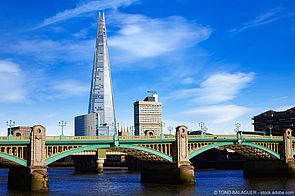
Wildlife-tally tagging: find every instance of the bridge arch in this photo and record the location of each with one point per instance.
(220, 144)
(13, 159)
(97, 146)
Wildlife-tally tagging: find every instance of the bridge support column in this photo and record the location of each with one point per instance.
(34, 177)
(38, 169)
(178, 172)
(101, 156)
(288, 153)
(186, 170)
(284, 167)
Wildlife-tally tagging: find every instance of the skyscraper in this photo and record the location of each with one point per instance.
(101, 94)
(101, 101)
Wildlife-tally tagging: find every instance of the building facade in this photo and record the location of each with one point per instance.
(101, 102)
(87, 125)
(275, 122)
(20, 131)
(101, 94)
(148, 116)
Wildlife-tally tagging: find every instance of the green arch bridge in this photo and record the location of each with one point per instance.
(38, 151)
(15, 150)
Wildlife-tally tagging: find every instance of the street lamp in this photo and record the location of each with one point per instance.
(62, 124)
(238, 125)
(162, 125)
(202, 126)
(239, 134)
(10, 124)
(170, 128)
(205, 130)
(270, 127)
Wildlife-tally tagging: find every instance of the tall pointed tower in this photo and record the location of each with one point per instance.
(101, 99)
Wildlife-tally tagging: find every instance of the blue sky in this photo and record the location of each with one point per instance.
(219, 62)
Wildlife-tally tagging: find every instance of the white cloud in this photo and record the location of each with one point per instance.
(50, 50)
(215, 92)
(219, 119)
(70, 88)
(218, 113)
(217, 88)
(12, 82)
(263, 19)
(188, 80)
(138, 37)
(92, 6)
(142, 37)
(81, 34)
(283, 108)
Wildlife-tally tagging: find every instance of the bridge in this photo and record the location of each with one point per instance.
(33, 154)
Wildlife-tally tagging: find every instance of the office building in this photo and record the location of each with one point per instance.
(275, 122)
(148, 116)
(87, 125)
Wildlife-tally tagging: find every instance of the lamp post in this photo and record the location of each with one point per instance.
(202, 126)
(238, 125)
(270, 127)
(162, 125)
(170, 128)
(62, 124)
(237, 129)
(10, 124)
(205, 130)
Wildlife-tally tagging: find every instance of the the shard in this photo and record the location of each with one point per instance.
(101, 99)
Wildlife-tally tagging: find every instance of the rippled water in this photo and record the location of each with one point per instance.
(123, 182)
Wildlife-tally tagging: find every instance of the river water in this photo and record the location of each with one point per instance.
(122, 182)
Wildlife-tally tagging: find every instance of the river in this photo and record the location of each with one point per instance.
(64, 181)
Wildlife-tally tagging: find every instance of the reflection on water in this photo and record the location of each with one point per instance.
(122, 182)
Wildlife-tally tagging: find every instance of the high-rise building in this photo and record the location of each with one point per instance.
(101, 101)
(101, 94)
(148, 116)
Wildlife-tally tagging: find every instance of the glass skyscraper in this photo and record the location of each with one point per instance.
(100, 119)
(101, 99)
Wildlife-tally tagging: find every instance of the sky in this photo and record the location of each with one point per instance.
(214, 61)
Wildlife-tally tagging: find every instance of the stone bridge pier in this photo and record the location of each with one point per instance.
(287, 153)
(273, 168)
(35, 176)
(180, 171)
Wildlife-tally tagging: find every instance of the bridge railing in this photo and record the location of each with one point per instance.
(3, 138)
(79, 137)
(234, 136)
(106, 137)
(7, 138)
(137, 137)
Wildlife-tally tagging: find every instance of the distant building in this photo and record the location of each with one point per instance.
(20, 131)
(148, 116)
(198, 132)
(87, 125)
(277, 122)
